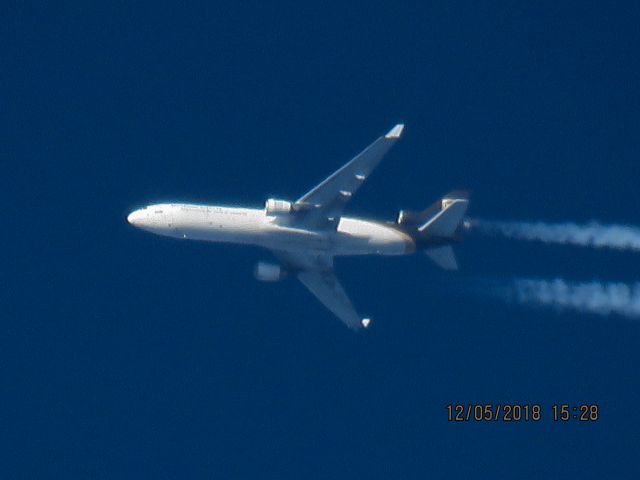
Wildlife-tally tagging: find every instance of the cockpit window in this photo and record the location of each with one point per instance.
(158, 211)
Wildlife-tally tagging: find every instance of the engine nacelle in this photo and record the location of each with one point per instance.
(268, 272)
(277, 207)
(409, 217)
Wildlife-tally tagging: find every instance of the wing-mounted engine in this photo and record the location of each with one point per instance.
(277, 207)
(269, 272)
(283, 207)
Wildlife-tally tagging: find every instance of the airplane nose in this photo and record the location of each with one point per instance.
(134, 217)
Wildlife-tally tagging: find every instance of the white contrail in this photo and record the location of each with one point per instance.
(601, 298)
(621, 237)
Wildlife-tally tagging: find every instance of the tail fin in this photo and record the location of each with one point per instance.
(435, 227)
(445, 223)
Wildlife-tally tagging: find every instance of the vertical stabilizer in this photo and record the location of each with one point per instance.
(436, 227)
(445, 223)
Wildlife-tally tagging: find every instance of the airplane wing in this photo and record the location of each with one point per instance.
(328, 199)
(316, 273)
(326, 287)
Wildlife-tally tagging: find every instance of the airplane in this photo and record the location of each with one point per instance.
(306, 235)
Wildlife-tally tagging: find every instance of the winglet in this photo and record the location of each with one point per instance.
(395, 132)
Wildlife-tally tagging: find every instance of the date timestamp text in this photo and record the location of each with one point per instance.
(497, 412)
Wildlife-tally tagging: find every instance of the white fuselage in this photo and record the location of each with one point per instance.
(254, 227)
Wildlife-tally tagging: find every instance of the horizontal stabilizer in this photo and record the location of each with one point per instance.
(443, 257)
(445, 223)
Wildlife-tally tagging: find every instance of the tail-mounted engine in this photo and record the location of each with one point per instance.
(268, 272)
(277, 207)
(409, 217)
(413, 218)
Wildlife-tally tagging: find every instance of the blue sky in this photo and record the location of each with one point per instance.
(125, 354)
